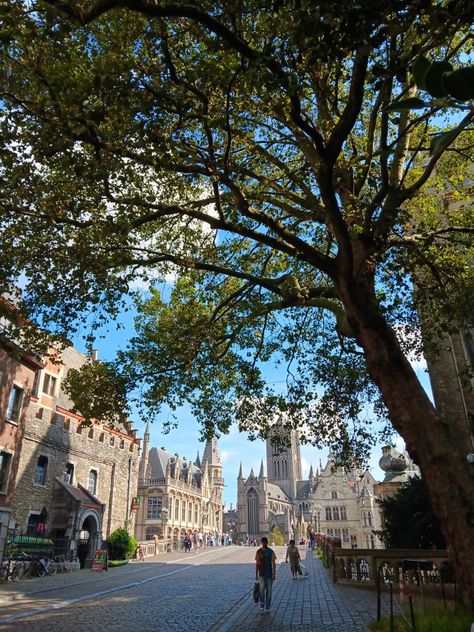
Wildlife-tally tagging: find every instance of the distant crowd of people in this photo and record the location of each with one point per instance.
(195, 540)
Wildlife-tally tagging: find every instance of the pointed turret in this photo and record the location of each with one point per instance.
(211, 453)
(198, 460)
(143, 471)
(311, 473)
(240, 476)
(261, 474)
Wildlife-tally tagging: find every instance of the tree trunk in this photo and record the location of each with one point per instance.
(433, 442)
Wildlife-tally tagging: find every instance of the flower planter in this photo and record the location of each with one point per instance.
(117, 563)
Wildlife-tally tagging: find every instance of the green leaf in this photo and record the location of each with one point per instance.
(440, 141)
(419, 69)
(460, 83)
(434, 78)
(413, 103)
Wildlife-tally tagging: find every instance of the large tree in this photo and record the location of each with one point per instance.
(251, 149)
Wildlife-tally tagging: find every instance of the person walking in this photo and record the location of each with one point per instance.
(265, 572)
(293, 555)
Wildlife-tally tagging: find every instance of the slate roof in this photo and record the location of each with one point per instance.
(158, 459)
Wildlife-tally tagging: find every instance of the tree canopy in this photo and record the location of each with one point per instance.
(249, 151)
(409, 521)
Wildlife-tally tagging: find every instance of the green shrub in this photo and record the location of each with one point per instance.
(436, 620)
(276, 536)
(121, 544)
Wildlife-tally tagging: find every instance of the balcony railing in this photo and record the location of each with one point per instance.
(410, 571)
(151, 482)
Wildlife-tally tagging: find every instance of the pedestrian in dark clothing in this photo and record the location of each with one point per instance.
(265, 571)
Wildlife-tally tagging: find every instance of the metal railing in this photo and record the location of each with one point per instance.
(408, 571)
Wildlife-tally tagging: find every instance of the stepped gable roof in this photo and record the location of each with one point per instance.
(73, 359)
(211, 454)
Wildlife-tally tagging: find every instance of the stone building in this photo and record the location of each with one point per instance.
(83, 477)
(18, 371)
(177, 496)
(333, 500)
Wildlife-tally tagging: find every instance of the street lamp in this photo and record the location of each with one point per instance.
(317, 518)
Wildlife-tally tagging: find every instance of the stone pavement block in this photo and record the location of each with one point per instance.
(308, 604)
(209, 592)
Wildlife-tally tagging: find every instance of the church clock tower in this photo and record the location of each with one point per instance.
(284, 460)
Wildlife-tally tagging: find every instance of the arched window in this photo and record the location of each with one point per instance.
(333, 494)
(369, 518)
(328, 513)
(252, 512)
(335, 513)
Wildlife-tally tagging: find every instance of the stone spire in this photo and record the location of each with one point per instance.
(211, 454)
(240, 476)
(311, 473)
(198, 460)
(261, 474)
(143, 468)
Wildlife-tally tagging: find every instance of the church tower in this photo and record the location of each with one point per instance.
(284, 459)
(211, 461)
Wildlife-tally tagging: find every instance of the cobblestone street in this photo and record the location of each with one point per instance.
(208, 592)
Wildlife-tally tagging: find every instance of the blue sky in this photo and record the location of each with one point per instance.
(184, 440)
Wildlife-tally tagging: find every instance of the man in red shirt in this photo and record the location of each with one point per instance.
(265, 569)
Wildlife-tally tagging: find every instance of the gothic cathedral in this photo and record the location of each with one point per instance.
(332, 500)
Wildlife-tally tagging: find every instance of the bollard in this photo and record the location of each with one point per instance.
(412, 614)
(379, 599)
(391, 607)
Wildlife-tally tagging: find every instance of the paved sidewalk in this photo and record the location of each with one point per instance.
(308, 604)
(178, 592)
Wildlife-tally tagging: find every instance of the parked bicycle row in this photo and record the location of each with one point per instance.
(23, 566)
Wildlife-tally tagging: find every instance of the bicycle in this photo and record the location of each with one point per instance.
(45, 566)
(63, 564)
(10, 570)
(23, 567)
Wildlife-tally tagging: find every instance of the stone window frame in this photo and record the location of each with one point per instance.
(154, 504)
(93, 481)
(69, 472)
(31, 528)
(15, 403)
(49, 384)
(5, 468)
(41, 470)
